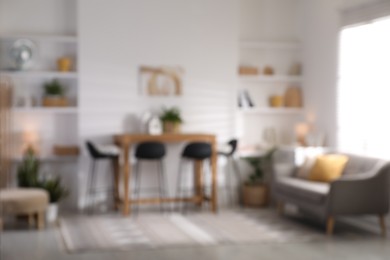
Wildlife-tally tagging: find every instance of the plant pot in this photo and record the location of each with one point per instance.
(172, 127)
(52, 213)
(255, 195)
(55, 101)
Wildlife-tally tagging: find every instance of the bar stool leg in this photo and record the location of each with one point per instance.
(164, 181)
(178, 184)
(137, 186)
(160, 185)
(90, 188)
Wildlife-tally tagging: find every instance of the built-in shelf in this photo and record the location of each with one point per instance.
(41, 37)
(46, 110)
(269, 45)
(270, 78)
(40, 74)
(271, 111)
(51, 158)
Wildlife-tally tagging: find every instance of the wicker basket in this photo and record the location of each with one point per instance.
(66, 150)
(55, 102)
(255, 195)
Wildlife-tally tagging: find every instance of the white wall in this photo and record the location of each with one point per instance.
(116, 37)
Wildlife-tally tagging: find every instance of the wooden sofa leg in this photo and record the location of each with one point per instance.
(40, 220)
(382, 223)
(330, 225)
(280, 208)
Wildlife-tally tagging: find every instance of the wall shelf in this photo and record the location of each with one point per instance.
(270, 79)
(40, 74)
(46, 110)
(271, 111)
(269, 45)
(41, 37)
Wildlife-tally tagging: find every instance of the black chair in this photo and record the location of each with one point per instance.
(196, 152)
(154, 151)
(97, 155)
(230, 159)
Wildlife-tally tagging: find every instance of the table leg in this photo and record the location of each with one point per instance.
(198, 181)
(214, 180)
(127, 175)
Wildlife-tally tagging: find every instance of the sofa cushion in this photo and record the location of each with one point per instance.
(328, 167)
(311, 191)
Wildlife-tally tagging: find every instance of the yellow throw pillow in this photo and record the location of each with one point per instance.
(328, 167)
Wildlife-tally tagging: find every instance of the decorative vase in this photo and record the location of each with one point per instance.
(64, 64)
(172, 127)
(55, 101)
(255, 195)
(276, 101)
(52, 213)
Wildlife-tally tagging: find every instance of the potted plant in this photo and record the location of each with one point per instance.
(27, 173)
(54, 93)
(56, 193)
(255, 191)
(171, 120)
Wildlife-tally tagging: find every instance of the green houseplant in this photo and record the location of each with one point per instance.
(171, 119)
(54, 94)
(28, 177)
(27, 172)
(56, 193)
(255, 191)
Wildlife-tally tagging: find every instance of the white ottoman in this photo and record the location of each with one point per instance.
(32, 202)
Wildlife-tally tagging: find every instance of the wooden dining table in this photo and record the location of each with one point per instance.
(123, 166)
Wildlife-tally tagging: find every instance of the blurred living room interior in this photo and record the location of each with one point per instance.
(171, 129)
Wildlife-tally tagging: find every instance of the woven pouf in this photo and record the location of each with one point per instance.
(25, 201)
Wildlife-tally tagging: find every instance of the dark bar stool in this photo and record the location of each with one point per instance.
(97, 155)
(196, 152)
(154, 151)
(230, 160)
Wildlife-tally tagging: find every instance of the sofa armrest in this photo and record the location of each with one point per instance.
(364, 193)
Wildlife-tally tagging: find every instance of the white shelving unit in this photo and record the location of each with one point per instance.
(40, 74)
(270, 79)
(253, 121)
(53, 125)
(41, 37)
(44, 110)
(271, 111)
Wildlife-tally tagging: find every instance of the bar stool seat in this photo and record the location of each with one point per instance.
(196, 152)
(150, 151)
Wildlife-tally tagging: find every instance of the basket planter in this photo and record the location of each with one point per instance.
(255, 195)
(55, 101)
(172, 127)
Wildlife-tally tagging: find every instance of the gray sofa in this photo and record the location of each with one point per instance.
(362, 189)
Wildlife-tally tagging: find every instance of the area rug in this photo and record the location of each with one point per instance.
(86, 233)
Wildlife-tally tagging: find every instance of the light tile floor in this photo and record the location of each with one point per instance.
(20, 244)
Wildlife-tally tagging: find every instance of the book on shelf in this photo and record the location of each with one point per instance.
(244, 100)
